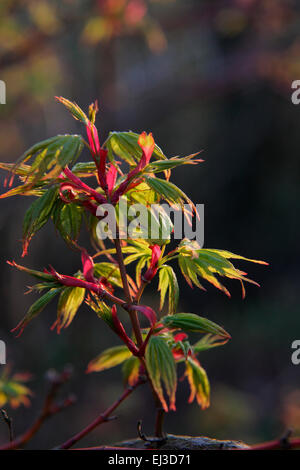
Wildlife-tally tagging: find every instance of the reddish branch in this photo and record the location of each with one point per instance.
(102, 418)
(284, 443)
(49, 409)
(133, 315)
(137, 332)
(107, 448)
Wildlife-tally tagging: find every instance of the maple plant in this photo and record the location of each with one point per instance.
(69, 193)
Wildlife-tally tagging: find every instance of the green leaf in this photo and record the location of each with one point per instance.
(26, 190)
(84, 169)
(208, 342)
(199, 384)
(206, 263)
(170, 163)
(130, 371)
(139, 249)
(188, 271)
(139, 267)
(227, 254)
(142, 194)
(192, 322)
(74, 109)
(109, 358)
(110, 271)
(125, 145)
(67, 219)
(21, 170)
(168, 282)
(155, 226)
(161, 368)
(68, 304)
(37, 215)
(168, 191)
(102, 310)
(37, 274)
(37, 308)
(51, 156)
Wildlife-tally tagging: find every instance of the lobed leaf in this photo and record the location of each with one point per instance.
(168, 283)
(168, 191)
(102, 310)
(125, 146)
(37, 274)
(130, 371)
(84, 169)
(67, 219)
(161, 368)
(74, 109)
(170, 163)
(109, 358)
(206, 263)
(209, 341)
(37, 308)
(69, 302)
(51, 156)
(110, 271)
(192, 322)
(37, 215)
(199, 384)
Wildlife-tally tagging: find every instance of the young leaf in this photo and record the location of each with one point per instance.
(109, 358)
(37, 215)
(192, 322)
(206, 263)
(170, 163)
(51, 156)
(69, 302)
(110, 271)
(168, 282)
(168, 191)
(142, 194)
(207, 342)
(161, 368)
(84, 169)
(125, 145)
(74, 109)
(37, 274)
(186, 265)
(227, 254)
(102, 310)
(36, 309)
(198, 382)
(67, 219)
(26, 190)
(131, 370)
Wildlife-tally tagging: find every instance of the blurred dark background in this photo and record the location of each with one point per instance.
(213, 75)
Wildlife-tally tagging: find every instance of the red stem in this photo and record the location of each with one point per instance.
(102, 418)
(132, 313)
(284, 443)
(49, 409)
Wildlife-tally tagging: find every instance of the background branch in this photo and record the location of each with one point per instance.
(49, 409)
(8, 421)
(102, 418)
